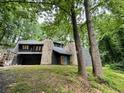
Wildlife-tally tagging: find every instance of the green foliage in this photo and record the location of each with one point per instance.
(18, 20)
(108, 22)
(106, 25)
(117, 66)
(113, 48)
(116, 6)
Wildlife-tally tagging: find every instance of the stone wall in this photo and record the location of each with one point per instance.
(47, 52)
(73, 59)
(87, 57)
(71, 49)
(10, 58)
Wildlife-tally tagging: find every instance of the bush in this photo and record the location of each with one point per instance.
(117, 66)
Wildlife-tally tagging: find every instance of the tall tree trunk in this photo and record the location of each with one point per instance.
(95, 55)
(81, 64)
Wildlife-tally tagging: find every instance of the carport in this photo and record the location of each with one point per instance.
(29, 59)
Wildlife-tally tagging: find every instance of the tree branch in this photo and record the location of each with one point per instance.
(94, 8)
(36, 2)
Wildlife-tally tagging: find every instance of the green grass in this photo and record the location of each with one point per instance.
(115, 79)
(59, 79)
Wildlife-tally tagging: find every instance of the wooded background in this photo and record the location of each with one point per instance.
(102, 29)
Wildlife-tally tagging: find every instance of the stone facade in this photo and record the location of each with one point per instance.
(70, 47)
(47, 52)
(87, 57)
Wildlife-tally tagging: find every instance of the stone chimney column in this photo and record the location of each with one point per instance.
(72, 49)
(47, 51)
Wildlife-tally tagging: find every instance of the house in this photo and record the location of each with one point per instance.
(31, 52)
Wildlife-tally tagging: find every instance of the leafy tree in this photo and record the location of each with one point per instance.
(81, 66)
(95, 56)
(17, 21)
(108, 25)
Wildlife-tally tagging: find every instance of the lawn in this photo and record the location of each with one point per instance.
(57, 79)
(114, 81)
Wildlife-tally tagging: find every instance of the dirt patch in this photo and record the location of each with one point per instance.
(5, 80)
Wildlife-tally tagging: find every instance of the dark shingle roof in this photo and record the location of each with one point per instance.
(61, 51)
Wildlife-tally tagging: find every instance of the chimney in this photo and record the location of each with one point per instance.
(70, 47)
(47, 51)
